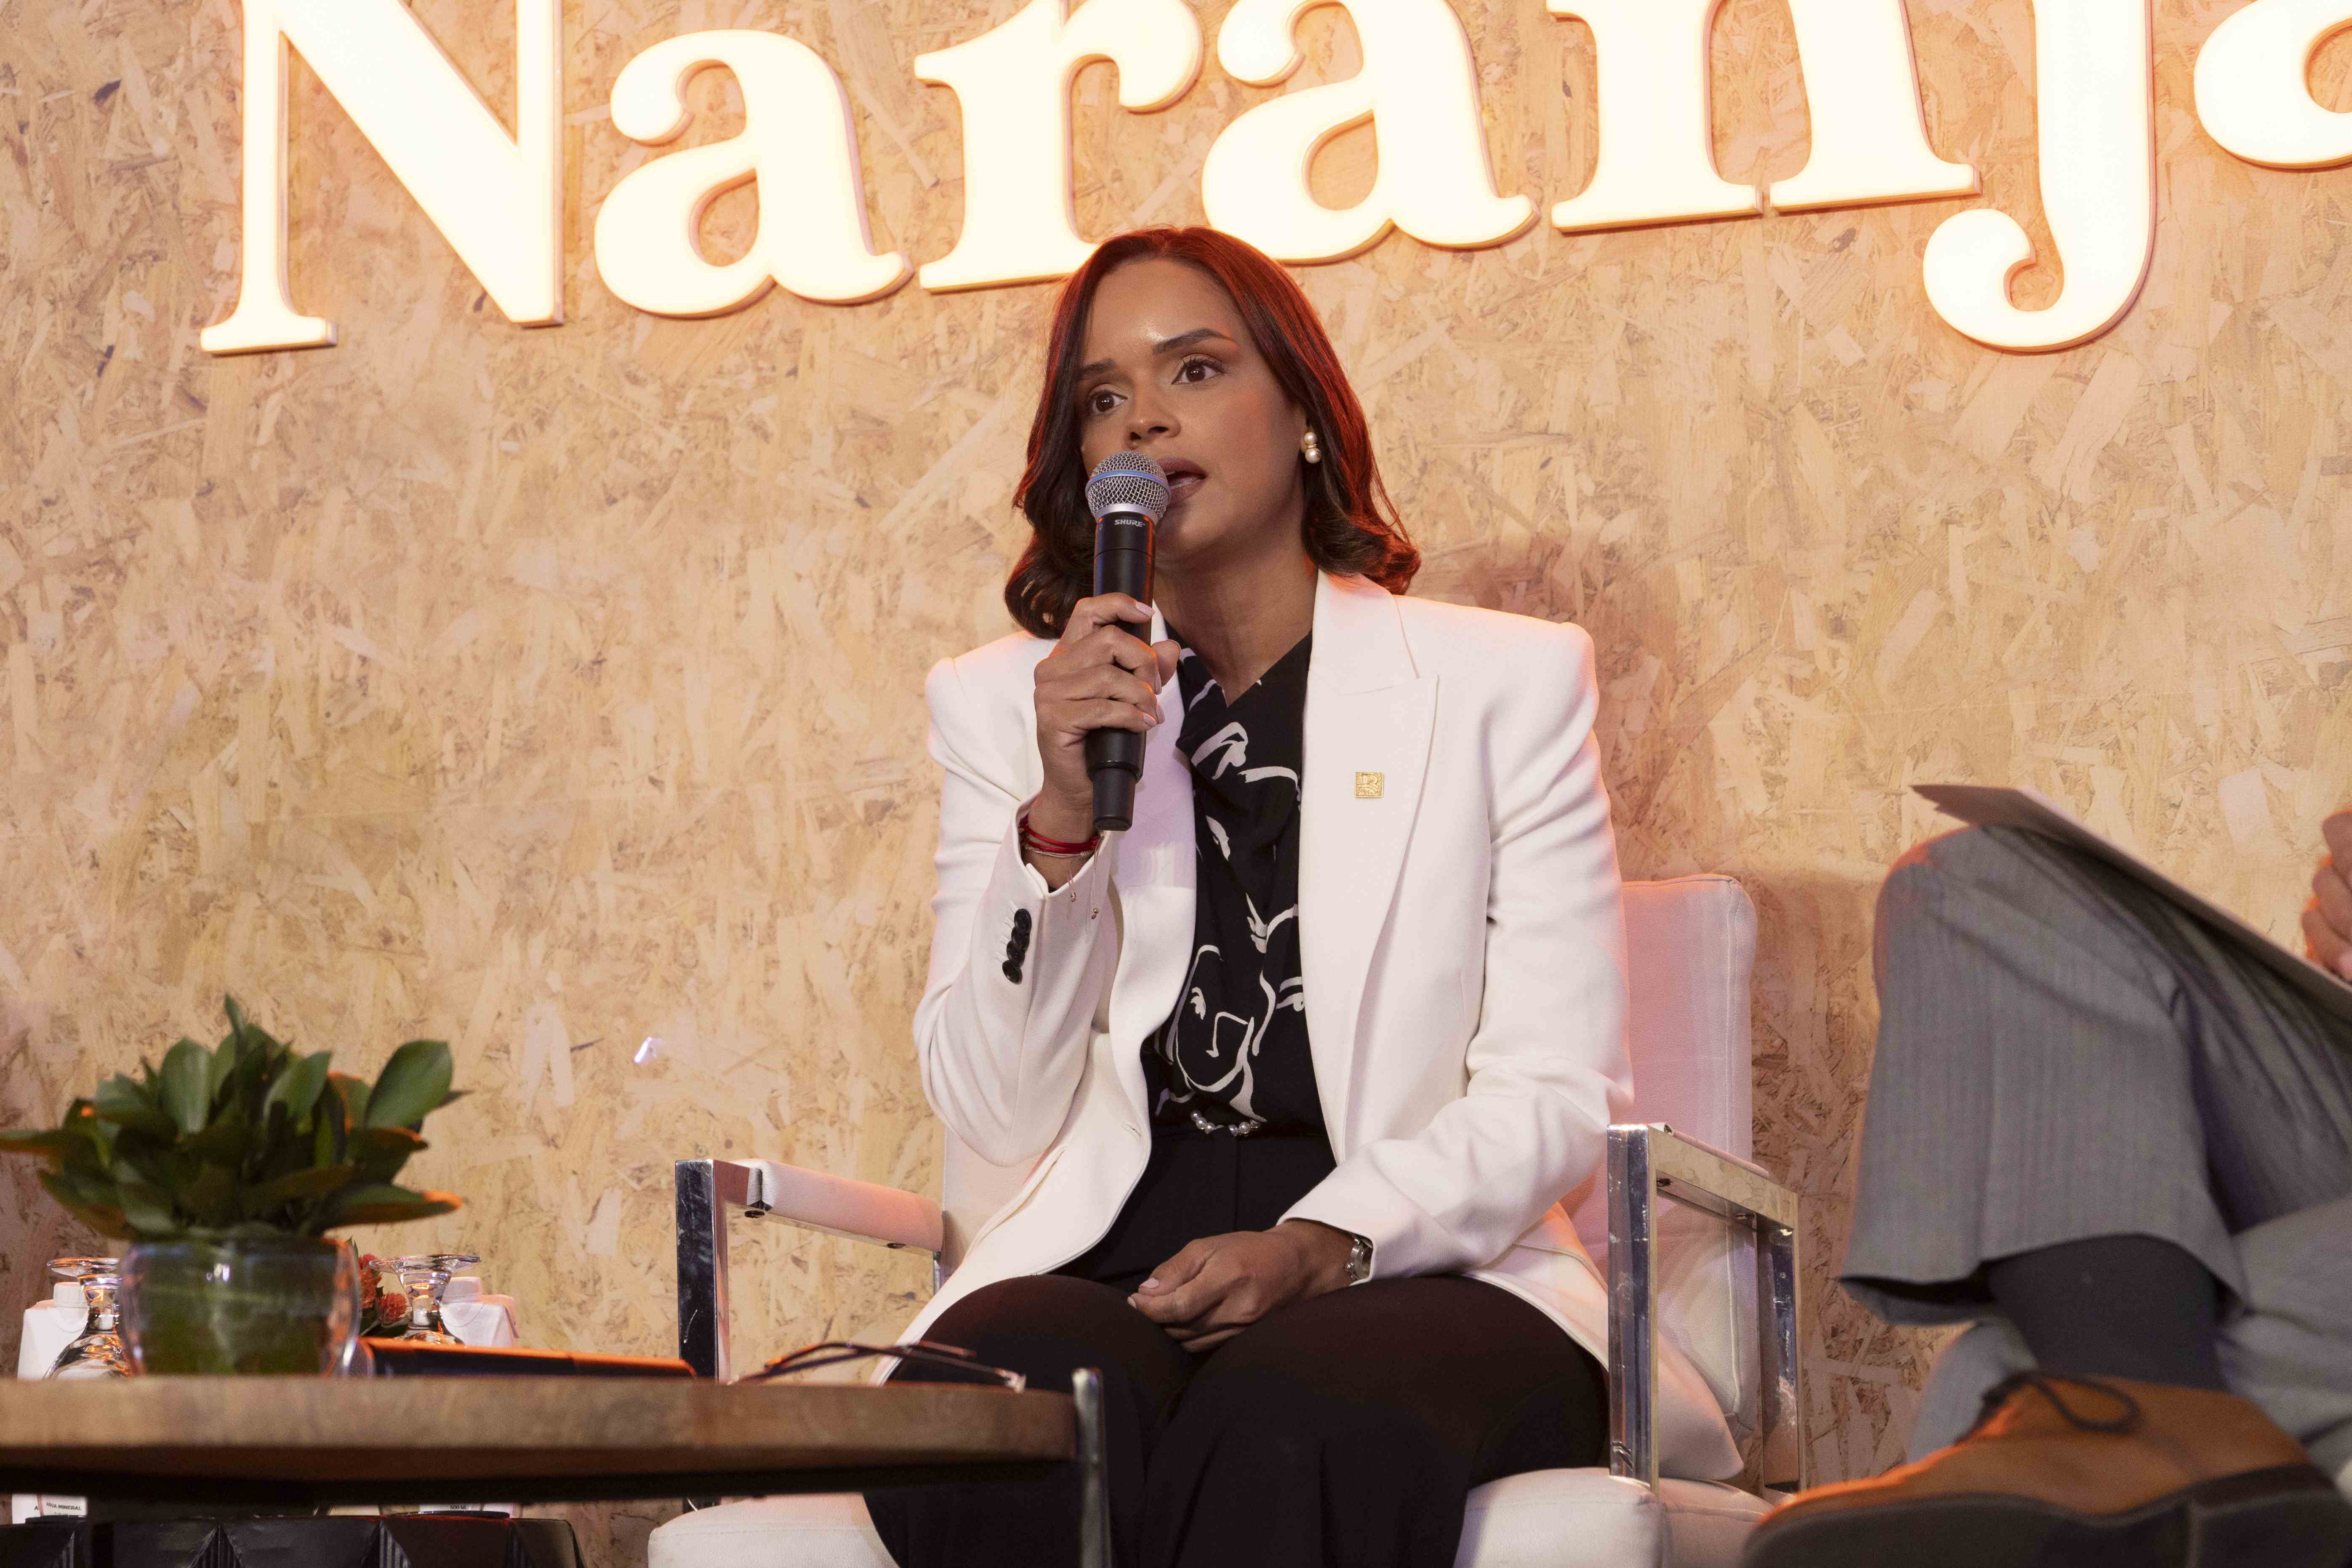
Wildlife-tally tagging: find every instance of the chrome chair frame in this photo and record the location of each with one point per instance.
(706, 1190)
(1647, 1160)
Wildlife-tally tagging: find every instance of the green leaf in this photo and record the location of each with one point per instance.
(99, 1132)
(277, 1126)
(90, 1141)
(372, 1143)
(183, 1086)
(380, 1203)
(251, 1037)
(138, 1158)
(297, 1088)
(79, 1186)
(314, 1183)
(327, 1142)
(210, 1195)
(354, 1091)
(250, 1080)
(381, 1151)
(413, 1082)
(53, 1141)
(102, 1217)
(226, 1058)
(224, 1142)
(147, 1210)
(126, 1102)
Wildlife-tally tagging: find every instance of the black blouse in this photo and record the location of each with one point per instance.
(1233, 1054)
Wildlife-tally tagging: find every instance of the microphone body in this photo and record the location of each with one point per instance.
(1128, 494)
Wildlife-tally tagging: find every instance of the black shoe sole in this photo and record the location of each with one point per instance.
(2288, 1517)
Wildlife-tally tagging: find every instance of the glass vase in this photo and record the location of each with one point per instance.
(424, 1277)
(287, 1306)
(97, 1351)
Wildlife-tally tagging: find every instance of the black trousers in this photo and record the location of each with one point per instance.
(1346, 1430)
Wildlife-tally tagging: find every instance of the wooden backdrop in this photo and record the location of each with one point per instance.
(556, 690)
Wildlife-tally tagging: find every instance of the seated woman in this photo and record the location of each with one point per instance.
(1300, 1063)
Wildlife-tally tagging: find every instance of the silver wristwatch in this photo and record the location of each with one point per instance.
(1360, 1258)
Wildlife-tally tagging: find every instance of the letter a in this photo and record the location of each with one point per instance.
(2254, 85)
(2095, 101)
(498, 199)
(1014, 82)
(1419, 89)
(798, 142)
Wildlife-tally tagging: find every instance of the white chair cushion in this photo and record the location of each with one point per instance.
(1707, 1522)
(1545, 1518)
(1591, 1518)
(823, 1532)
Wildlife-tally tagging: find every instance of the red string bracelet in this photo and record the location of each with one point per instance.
(1060, 849)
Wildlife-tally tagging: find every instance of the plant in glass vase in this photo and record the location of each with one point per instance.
(225, 1168)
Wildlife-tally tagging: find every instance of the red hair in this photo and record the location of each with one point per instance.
(1350, 526)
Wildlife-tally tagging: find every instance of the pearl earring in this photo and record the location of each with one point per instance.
(1310, 448)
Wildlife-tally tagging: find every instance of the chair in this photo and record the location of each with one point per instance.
(1694, 1273)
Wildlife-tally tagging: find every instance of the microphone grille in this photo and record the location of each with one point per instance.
(1128, 481)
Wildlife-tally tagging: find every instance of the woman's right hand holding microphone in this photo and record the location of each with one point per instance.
(1100, 676)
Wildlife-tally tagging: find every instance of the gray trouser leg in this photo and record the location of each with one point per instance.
(2062, 1054)
(2289, 1350)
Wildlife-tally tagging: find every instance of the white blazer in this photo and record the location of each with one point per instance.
(1461, 937)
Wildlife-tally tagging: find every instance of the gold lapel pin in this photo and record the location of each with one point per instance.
(1368, 786)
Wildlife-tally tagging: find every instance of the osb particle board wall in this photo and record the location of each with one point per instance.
(554, 690)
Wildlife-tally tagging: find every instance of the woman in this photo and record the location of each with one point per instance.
(1302, 1061)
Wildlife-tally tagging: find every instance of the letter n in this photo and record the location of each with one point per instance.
(498, 199)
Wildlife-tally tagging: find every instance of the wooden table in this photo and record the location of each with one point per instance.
(300, 1442)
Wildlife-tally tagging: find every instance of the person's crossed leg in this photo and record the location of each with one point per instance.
(2093, 1123)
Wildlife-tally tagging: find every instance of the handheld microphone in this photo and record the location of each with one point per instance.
(1129, 495)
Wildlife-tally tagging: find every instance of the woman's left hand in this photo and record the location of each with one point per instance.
(1220, 1285)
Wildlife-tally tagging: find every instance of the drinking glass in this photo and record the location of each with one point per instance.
(97, 1351)
(425, 1276)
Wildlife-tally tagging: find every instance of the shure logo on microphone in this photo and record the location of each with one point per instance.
(499, 199)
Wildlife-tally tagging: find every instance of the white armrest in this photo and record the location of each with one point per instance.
(862, 1211)
(706, 1189)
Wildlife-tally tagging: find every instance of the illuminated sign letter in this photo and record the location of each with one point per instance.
(1418, 87)
(1014, 82)
(798, 142)
(498, 199)
(1862, 92)
(1657, 156)
(1657, 153)
(2254, 85)
(2094, 99)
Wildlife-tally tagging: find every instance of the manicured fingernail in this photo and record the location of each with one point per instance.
(1148, 1285)
(2343, 966)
